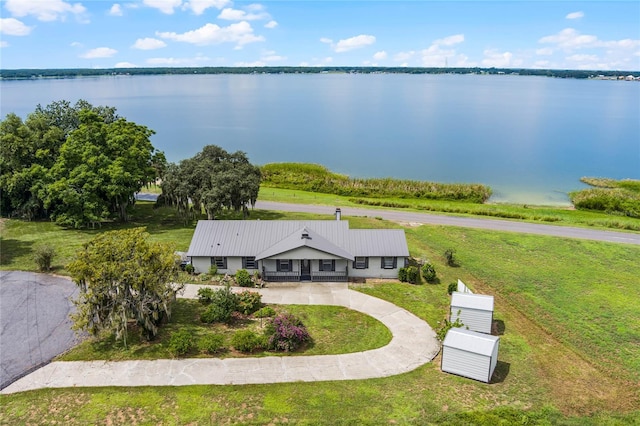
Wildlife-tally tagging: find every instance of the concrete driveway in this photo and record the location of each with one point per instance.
(34, 321)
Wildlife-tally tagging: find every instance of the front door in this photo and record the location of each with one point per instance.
(305, 270)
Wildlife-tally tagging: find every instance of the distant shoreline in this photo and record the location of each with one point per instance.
(35, 74)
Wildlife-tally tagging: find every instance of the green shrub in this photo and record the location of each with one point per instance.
(413, 274)
(450, 257)
(205, 295)
(246, 341)
(213, 269)
(265, 312)
(211, 343)
(216, 313)
(43, 257)
(243, 278)
(447, 325)
(225, 298)
(452, 287)
(180, 342)
(428, 272)
(189, 269)
(249, 302)
(286, 333)
(402, 275)
(204, 277)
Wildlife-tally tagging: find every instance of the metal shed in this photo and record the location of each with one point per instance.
(475, 311)
(470, 354)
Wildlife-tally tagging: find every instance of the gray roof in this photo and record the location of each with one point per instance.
(480, 302)
(270, 237)
(470, 341)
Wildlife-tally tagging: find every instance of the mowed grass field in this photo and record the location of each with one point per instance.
(569, 352)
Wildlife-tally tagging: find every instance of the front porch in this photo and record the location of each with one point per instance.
(296, 276)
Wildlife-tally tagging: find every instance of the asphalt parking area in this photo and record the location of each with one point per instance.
(34, 321)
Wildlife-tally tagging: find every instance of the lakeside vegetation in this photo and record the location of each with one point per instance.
(92, 72)
(568, 351)
(615, 197)
(317, 178)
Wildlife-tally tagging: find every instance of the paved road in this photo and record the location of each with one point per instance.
(494, 224)
(34, 321)
(413, 344)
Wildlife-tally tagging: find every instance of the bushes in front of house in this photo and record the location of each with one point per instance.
(409, 274)
(286, 333)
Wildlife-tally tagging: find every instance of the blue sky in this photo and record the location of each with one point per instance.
(157, 33)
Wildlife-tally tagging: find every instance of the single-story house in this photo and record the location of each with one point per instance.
(475, 311)
(470, 354)
(293, 250)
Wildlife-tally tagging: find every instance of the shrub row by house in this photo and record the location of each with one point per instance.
(411, 273)
(316, 178)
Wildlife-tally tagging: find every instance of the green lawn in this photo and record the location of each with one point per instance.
(334, 329)
(568, 354)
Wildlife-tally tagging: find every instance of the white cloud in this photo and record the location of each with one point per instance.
(542, 64)
(125, 65)
(494, 58)
(148, 43)
(575, 15)
(198, 60)
(450, 41)
(76, 44)
(164, 6)
(3, 44)
(252, 12)
(545, 51)
(326, 40)
(240, 33)
(45, 10)
(352, 43)
(14, 27)
(250, 64)
(582, 58)
(403, 56)
(116, 10)
(199, 6)
(99, 52)
(379, 56)
(569, 38)
(271, 25)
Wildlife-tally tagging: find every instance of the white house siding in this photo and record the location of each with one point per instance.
(375, 271)
(304, 253)
(201, 264)
(467, 364)
(473, 319)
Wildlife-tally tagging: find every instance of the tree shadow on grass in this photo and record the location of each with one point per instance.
(11, 249)
(501, 372)
(497, 327)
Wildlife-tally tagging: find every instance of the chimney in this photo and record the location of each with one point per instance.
(338, 213)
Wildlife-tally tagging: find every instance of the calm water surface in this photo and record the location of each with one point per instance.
(529, 138)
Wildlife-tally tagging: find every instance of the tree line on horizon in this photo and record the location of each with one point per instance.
(89, 72)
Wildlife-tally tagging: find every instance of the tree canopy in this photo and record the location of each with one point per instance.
(213, 180)
(123, 276)
(79, 165)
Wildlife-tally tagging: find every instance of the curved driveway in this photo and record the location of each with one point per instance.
(34, 321)
(468, 222)
(413, 344)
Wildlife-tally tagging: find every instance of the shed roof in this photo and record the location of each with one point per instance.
(269, 237)
(480, 302)
(470, 341)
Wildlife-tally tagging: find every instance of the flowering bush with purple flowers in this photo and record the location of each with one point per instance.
(286, 333)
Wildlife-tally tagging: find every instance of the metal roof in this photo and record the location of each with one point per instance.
(481, 302)
(266, 238)
(470, 341)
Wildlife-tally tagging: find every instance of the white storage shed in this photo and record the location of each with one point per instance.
(475, 311)
(470, 354)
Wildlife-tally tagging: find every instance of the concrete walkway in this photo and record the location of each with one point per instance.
(413, 344)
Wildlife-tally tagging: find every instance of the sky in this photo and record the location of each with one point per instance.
(594, 35)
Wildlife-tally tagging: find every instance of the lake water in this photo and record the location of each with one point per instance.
(529, 138)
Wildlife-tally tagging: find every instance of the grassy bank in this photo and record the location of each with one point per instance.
(615, 197)
(535, 214)
(316, 178)
(568, 353)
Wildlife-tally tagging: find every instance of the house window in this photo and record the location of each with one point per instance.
(249, 262)
(327, 265)
(388, 262)
(284, 265)
(361, 262)
(220, 262)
